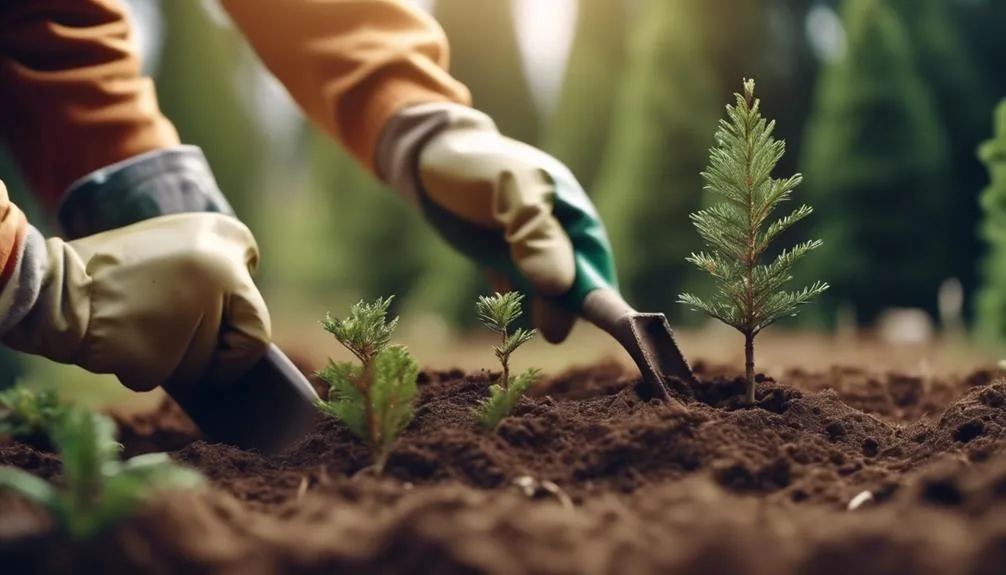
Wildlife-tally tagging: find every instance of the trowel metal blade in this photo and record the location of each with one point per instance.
(267, 410)
(655, 352)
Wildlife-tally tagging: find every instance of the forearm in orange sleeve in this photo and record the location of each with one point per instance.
(350, 64)
(72, 95)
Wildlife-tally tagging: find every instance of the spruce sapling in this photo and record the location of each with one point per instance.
(750, 297)
(374, 399)
(497, 312)
(97, 489)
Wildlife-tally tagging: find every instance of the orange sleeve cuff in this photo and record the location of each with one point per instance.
(362, 131)
(350, 64)
(74, 99)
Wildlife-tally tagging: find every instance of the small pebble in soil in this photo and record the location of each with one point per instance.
(859, 500)
(534, 489)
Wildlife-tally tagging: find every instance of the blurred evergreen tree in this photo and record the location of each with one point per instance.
(875, 162)
(685, 59)
(965, 98)
(198, 90)
(378, 241)
(486, 56)
(786, 73)
(991, 299)
(578, 133)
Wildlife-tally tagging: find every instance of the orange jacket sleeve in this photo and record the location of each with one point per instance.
(72, 97)
(350, 64)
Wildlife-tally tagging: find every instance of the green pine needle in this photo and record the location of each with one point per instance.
(497, 312)
(345, 402)
(375, 400)
(393, 393)
(502, 400)
(750, 297)
(100, 490)
(737, 232)
(366, 331)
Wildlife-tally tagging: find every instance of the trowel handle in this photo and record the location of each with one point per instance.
(604, 307)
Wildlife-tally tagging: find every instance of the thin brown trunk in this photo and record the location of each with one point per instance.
(505, 360)
(749, 366)
(366, 376)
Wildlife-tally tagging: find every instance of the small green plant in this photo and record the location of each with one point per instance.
(374, 399)
(750, 294)
(29, 412)
(99, 489)
(497, 312)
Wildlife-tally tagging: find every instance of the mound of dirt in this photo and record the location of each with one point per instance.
(702, 484)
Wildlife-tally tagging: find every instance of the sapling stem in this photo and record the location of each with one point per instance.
(750, 295)
(749, 374)
(505, 362)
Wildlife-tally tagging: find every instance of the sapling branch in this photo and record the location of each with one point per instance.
(750, 295)
(497, 312)
(375, 399)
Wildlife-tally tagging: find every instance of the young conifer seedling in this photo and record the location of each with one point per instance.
(98, 489)
(750, 295)
(497, 312)
(375, 398)
(26, 412)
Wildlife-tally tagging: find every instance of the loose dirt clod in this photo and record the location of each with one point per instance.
(705, 484)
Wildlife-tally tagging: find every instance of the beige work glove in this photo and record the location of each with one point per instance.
(166, 301)
(513, 209)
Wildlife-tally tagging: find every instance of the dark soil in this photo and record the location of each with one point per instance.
(701, 485)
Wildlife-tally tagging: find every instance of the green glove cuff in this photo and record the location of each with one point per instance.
(595, 267)
(169, 181)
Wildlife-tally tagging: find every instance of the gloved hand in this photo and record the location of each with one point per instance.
(513, 209)
(167, 301)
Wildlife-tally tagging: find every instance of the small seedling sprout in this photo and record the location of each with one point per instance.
(98, 489)
(29, 412)
(749, 296)
(497, 312)
(374, 399)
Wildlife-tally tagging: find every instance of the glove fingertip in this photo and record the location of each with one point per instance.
(553, 323)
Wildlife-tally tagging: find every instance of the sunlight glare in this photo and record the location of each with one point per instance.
(545, 31)
(825, 33)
